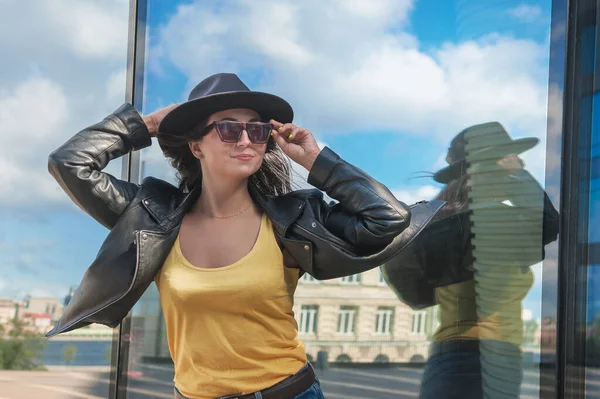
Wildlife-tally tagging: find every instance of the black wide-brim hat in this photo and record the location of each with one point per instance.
(220, 92)
(499, 145)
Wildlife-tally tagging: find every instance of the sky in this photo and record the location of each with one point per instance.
(384, 83)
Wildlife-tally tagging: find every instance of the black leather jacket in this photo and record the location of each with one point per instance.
(367, 227)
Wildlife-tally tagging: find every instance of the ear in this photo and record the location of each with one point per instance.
(195, 149)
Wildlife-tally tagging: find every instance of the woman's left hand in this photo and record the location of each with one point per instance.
(511, 163)
(297, 143)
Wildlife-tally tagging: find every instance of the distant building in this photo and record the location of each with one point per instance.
(8, 310)
(359, 319)
(50, 306)
(37, 322)
(548, 331)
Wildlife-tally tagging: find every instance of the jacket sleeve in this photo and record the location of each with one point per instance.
(550, 216)
(368, 216)
(77, 165)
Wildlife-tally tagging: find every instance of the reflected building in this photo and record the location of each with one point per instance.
(358, 319)
(8, 310)
(43, 307)
(355, 319)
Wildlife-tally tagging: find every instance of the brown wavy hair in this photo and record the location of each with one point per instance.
(272, 179)
(456, 195)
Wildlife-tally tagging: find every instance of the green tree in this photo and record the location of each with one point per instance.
(69, 354)
(20, 349)
(531, 327)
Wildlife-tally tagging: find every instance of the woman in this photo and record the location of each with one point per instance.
(473, 261)
(507, 220)
(510, 218)
(226, 247)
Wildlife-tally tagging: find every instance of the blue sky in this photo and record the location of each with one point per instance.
(459, 63)
(432, 23)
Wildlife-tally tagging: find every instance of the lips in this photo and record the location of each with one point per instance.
(244, 157)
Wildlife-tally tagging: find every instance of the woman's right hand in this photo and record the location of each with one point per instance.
(152, 120)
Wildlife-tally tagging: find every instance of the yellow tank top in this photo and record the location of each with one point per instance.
(231, 329)
(458, 312)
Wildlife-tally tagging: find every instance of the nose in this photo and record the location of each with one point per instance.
(244, 140)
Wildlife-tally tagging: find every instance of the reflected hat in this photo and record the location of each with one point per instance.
(498, 144)
(220, 92)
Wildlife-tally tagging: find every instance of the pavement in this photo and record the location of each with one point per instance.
(155, 381)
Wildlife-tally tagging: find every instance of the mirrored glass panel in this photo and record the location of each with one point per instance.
(63, 69)
(591, 241)
(436, 100)
(593, 286)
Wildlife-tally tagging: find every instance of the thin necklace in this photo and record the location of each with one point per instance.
(230, 216)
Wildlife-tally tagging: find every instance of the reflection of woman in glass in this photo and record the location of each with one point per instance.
(477, 347)
(473, 262)
(217, 245)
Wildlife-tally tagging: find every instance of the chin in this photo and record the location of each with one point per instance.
(243, 172)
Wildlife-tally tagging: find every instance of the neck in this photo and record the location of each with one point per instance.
(221, 199)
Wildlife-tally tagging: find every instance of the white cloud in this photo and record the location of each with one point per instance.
(30, 116)
(409, 197)
(346, 71)
(115, 86)
(155, 164)
(526, 12)
(91, 28)
(377, 11)
(66, 71)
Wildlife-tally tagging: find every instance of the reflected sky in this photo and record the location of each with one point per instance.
(385, 83)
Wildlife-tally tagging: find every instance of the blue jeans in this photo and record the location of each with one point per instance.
(314, 392)
(452, 376)
(496, 370)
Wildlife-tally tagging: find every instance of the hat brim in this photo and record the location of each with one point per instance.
(183, 118)
(459, 168)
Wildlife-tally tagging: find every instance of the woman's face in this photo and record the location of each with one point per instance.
(231, 161)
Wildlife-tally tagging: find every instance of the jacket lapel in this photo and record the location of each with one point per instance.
(169, 208)
(282, 210)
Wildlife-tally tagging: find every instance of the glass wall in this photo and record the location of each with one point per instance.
(582, 376)
(434, 99)
(63, 68)
(593, 254)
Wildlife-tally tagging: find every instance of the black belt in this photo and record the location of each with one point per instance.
(288, 388)
(454, 346)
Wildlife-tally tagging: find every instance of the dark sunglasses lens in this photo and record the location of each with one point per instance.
(229, 131)
(258, 132)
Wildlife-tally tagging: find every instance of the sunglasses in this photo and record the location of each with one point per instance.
(231, 131)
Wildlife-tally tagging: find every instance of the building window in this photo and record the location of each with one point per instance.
(353, 279)
(435, 318)
(418, 322)
(308, 319)
(381, 279)
(383, 321)
(307, 278)
(346, 319)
